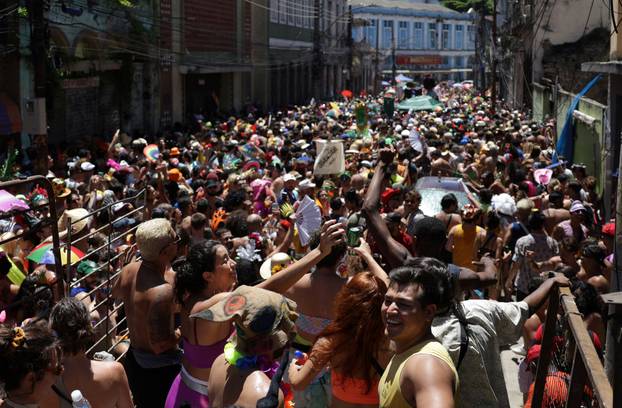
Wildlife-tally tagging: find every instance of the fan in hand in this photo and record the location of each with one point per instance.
(308, 219)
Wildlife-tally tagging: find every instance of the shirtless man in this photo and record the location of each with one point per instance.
(152, 361)
(556, 212)
(592, 267)
(440, 166)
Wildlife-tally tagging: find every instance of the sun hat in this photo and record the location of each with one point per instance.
(79, 221)
(87, 166)
(543, 176)
(175, 152)
(174, 175)
(306, 183)
(274, 264)
(60, 188)
(577, 206)
(264, 320)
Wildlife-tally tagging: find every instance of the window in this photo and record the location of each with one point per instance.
(299, 12)
(274, 11)
(459, 37)
(387, 34)
(306, 19)
(433, 40)
(418, 35)
(372, 30)
(445, 62)
(445, 37)
(282, 12)
(290, 12)
(402, 35)
(470, 37)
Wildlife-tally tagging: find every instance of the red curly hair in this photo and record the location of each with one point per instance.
(357, 332)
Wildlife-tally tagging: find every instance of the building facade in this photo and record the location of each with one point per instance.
(307, 50)
(420, 38)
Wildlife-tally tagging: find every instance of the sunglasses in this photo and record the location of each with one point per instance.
(176, 241)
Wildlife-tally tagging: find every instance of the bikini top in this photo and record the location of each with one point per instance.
(202, 356)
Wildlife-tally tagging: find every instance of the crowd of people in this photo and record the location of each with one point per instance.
(198, 270)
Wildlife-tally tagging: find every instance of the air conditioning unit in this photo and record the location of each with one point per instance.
(34, 118)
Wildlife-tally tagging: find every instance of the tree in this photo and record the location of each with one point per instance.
(464, 5)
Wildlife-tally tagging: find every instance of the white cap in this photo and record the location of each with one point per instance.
(289, 177)
(405, 133)
(306, 183)
(87, 166)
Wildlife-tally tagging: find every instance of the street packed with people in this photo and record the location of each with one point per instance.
(347, 253)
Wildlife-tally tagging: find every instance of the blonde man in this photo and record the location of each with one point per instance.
(153, 360)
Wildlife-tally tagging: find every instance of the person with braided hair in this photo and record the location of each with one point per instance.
(31, 364)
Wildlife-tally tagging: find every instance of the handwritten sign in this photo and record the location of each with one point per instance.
(330, 158)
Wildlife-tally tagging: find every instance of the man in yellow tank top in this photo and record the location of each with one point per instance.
(421, 373)
(465, 239)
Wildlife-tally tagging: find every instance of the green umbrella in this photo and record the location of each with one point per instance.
(419, 103)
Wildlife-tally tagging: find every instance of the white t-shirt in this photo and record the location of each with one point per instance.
(491, 325)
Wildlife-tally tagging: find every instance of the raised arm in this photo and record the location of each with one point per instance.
(332, 233)
(392, 251)
(364, 252)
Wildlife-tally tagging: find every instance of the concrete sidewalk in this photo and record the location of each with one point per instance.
(510, 361)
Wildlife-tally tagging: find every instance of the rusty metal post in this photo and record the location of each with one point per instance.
(545, 351)
(578, 379)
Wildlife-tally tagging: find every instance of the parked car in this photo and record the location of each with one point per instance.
(432, 190)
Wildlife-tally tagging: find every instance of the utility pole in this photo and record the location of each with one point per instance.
(482, 46)
(493, 53)
(38, 45)
(317, 51)
(376, 88)
(350, 46)
(393, 67)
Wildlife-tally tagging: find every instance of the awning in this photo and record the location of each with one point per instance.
(10, 118)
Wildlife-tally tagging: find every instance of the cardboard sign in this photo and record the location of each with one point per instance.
(330, 159)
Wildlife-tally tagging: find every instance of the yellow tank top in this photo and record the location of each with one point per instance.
(389, 386)
(464, 243)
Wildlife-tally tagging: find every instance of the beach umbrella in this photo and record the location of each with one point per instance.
(8, 202)
(346, 94)
(43, 254)
(403, 78)
(419, 103)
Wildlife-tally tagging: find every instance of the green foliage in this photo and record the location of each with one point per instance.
(7, 171)
(464, 5)
(22, 11)
(126, 3)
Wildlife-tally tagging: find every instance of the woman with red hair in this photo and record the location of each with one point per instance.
(353, 345)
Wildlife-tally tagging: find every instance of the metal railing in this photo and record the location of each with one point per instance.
(588, 385)
(51, 221)
(106, 272)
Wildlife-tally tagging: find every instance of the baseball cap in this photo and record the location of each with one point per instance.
(289, 177)
(86, 268)
(264, 320)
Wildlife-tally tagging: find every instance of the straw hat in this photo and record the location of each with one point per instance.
(79, 221)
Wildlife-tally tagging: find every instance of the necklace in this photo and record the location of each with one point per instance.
(262, 363)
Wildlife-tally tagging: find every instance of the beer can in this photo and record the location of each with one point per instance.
(354, 236)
